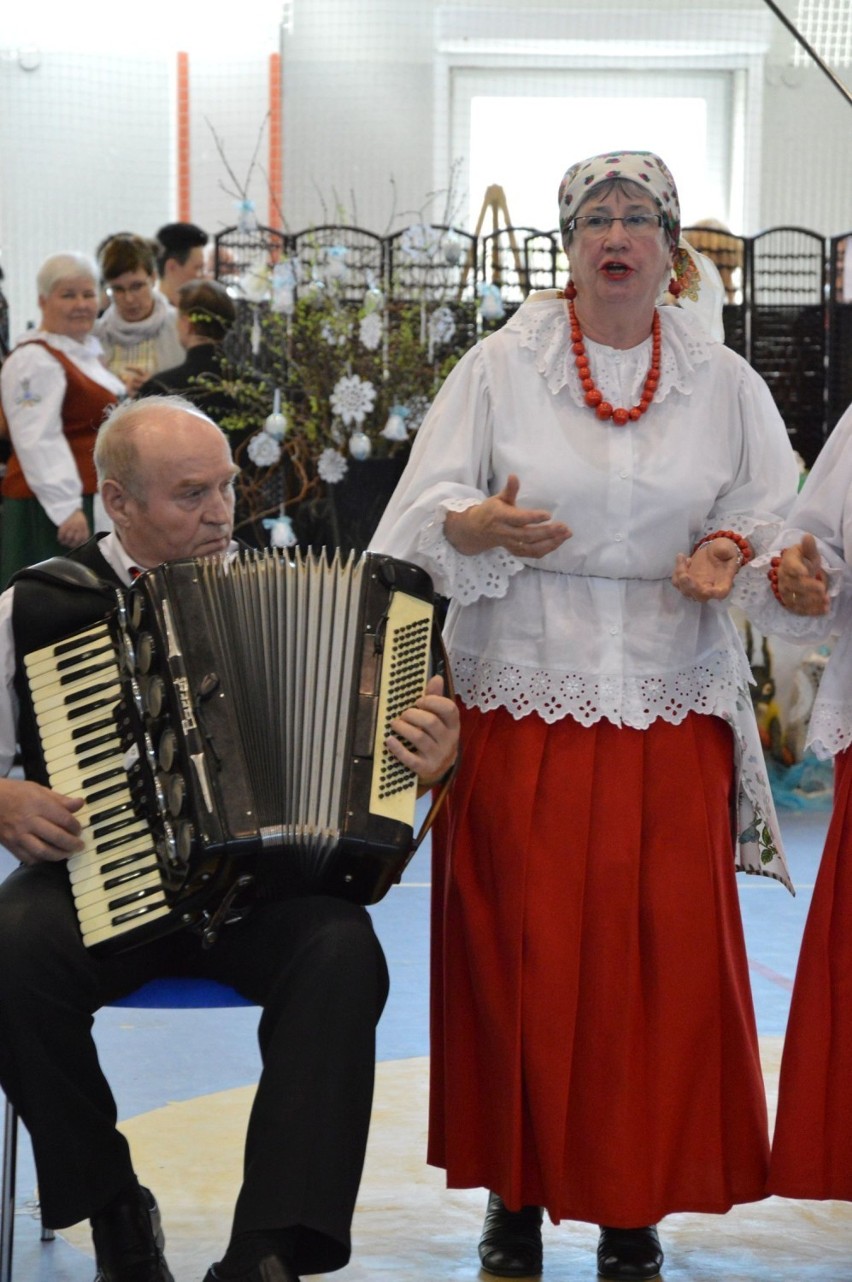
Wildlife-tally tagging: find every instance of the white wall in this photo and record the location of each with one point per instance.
(85, 152)
(87, 138)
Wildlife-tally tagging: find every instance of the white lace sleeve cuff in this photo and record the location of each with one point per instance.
(753, 595)
(464, 578)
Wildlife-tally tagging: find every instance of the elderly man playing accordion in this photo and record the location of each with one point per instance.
(312, 962)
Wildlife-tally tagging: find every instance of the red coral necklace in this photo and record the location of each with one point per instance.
(594, 397)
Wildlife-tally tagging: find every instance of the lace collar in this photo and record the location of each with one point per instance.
(541, 324)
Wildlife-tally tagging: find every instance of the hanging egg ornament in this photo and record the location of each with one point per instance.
(491, 305)
(452, 249)
(374, 299)
(315, 292)
(283, 289)
(276, 423)
(360, 445)
(246, 217)
(255, 281)
(335, 262)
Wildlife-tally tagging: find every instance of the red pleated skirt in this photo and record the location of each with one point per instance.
(594, 1049)
(812, 1148)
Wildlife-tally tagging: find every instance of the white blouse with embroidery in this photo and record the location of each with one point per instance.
(33, 386)
(596, 628)
(824, 509)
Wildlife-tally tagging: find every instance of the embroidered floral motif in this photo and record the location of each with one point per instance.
(687, 275)
(26, 398)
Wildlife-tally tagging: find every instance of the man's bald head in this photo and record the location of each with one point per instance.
(166, 477)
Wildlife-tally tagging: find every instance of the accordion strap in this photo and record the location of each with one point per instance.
(70, 574)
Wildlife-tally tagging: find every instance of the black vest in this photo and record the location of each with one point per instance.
(53, 600)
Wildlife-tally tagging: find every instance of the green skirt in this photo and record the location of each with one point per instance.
(28, 535)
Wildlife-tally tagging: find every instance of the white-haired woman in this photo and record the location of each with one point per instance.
(55, 390)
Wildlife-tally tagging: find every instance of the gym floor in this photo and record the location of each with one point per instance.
(183, 1079)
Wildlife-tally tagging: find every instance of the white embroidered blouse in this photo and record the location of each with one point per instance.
(596, 628)
(824, 509)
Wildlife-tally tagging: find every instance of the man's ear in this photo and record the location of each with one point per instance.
(114, 498)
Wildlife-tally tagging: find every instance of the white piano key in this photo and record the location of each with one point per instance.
(109, 931)
(109, 916)
(92, 904)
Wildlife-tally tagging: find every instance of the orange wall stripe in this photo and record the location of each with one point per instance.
(276, 177)
(183, 174)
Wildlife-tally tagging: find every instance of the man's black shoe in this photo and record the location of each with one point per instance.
(510, 1246)
(128, 1238)
(270, 1269)
(627, 1255)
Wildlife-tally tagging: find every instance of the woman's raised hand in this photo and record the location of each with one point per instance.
(499, 522)
(802, 582)
(74, 530)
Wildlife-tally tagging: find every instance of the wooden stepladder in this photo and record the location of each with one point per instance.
(494, 203)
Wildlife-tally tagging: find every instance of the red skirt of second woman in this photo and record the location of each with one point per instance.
(594, 1049)
(812, 1148)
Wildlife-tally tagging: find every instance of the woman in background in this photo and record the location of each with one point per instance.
(594, 1050)
(138, 330)
(55, 390)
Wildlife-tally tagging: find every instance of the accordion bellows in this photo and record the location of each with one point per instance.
(249, 701)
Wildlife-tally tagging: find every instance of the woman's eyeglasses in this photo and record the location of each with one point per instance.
(635, 224)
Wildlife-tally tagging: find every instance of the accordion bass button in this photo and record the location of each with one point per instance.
(137, 610)
(166, 749)
(145, 652)
(184, 835)
(175, 793)
(155, 696)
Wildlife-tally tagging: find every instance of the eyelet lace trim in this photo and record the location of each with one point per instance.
(542, 327)
(717, 687)
(465, 578)
(752, 595)
(830, 730)
(708, 687)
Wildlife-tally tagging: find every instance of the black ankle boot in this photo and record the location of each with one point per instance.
(128, 1239)
(628, 1255)
(510, 1246)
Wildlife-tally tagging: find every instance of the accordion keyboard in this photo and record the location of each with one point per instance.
(75, 688)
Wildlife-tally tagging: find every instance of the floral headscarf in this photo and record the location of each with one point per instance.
(640, 167)
(692, 271)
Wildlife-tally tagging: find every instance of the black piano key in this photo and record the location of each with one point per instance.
(109, 702)
(123, 861)
(112, 686)
(92, 671)
(102, 793)
(104, 847)
(80, 732)
(142, 911)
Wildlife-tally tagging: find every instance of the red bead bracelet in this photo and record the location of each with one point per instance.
(743, 545)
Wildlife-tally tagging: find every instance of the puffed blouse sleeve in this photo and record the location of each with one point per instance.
(449, 470)
(823, 509)
(33, 389)
(765, 477)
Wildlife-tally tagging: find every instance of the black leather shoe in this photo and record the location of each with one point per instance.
(128, 1238)
(510, 1246)
(270, 1269)
(625, 1255)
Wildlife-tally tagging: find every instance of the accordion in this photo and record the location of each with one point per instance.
(226, 726)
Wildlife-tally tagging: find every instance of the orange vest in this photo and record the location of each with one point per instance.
(82, 413)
